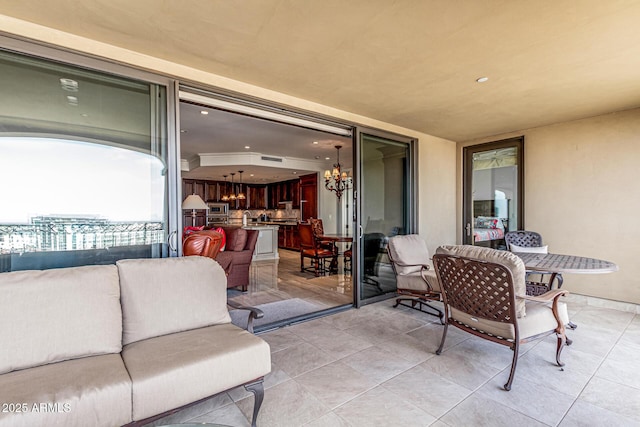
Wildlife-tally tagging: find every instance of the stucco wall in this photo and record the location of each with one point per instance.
(582, 194)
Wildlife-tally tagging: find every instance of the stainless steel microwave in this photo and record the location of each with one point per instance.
(218, 209)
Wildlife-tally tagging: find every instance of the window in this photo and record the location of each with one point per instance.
(83, 161)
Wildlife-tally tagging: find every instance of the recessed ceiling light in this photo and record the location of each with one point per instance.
(246, 147)
(183, 131)
(204, 113)
(294, 172)
(327, 158)
(315, 142)
(482, 79)
(251, 175)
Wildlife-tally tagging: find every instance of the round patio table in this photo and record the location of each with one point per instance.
(557, 263)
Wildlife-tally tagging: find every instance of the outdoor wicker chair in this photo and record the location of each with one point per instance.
(416, 281)
(538, 282)
(483, 291)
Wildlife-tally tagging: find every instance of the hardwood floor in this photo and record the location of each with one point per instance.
(273, 281)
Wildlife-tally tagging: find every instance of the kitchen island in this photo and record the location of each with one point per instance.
(267, 244)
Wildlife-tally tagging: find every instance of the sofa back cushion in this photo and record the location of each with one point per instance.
(48, 316)
(163, 296)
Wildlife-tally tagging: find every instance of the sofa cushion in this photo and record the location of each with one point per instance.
(92, 391)
(54, 315)
(162, 296)
(237, 240)
(173, 370)
(508, 259)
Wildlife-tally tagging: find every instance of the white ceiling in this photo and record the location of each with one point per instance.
(412, 63)
(226, 135)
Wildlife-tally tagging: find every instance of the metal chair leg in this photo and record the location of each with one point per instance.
(257, 388)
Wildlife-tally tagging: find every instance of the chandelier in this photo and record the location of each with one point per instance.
(336, 180)
(231, 196)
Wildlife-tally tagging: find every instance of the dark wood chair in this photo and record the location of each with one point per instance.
(538, 282)
(483, 292)
(310, 248)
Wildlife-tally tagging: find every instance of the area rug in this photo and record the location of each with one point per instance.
(275, 311)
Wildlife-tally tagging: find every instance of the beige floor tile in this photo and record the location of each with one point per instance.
(479, 411)
(428, 391)
(461, 368)
(301, 358)
(335, 383)
(583, 414)
(380, 407)
(377, 364)
(409, 348)
(573, 358)
(333, 341)
(593, 339)
(227, 415)
(622, 365)
(539, 367)
(534, 400)
(431, 334)
(280, 339)
(286, 405)
(328, 420)
(604, 318)
(618, 398)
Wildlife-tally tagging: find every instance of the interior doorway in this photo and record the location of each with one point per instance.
(279, 169)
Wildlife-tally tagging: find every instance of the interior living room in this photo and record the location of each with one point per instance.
(462, 124)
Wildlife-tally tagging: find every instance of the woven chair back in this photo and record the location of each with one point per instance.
(526, 239)
(480, 289)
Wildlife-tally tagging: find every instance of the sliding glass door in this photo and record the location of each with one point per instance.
(385, 210)
(84, 166)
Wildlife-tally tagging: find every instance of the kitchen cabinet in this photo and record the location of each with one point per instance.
(288, 237)
(284, 191)
(257, 196)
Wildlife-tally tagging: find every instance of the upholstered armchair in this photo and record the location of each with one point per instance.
(484, 294)
(203, 243)
(416, 280)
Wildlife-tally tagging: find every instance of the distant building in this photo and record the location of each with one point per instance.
(66, 232)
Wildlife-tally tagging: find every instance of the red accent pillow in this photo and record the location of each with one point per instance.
(189, 230)
(224, 238)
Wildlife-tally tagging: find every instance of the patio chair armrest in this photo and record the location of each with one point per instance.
(254, 313)
(546, 297)
(424, 266)
(553, 295)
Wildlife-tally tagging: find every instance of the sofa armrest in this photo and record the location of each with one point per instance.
(254, 313)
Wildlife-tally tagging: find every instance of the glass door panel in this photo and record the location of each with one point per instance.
(384, 211)
(84, 162)
(492, 192)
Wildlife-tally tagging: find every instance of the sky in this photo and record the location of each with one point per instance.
(45, 176)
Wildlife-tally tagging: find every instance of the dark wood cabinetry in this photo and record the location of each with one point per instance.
(257, 196)
(309, 195)
(284, 191)
(288, 237)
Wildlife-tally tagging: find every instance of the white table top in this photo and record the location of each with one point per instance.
(557, 263)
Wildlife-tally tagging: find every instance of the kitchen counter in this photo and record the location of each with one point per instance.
(267, 244)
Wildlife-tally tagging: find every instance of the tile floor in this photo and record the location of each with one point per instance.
(376, 366)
